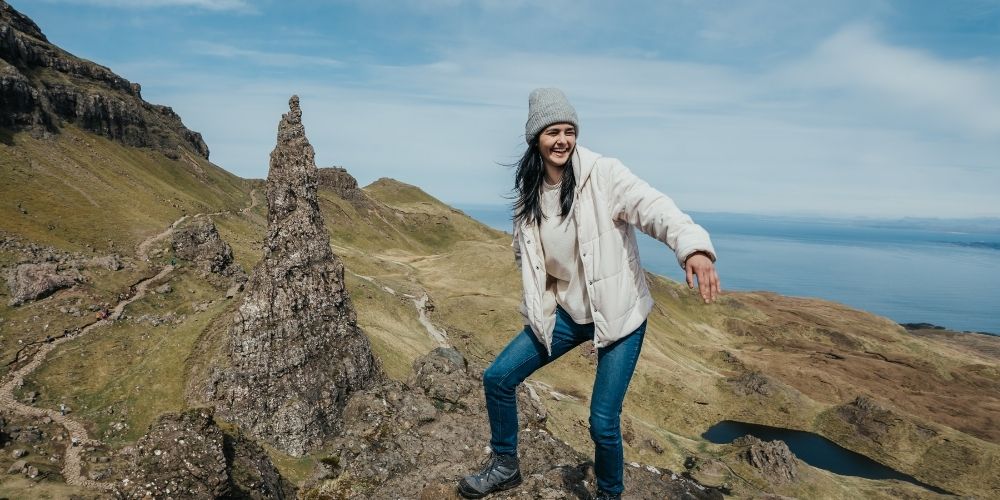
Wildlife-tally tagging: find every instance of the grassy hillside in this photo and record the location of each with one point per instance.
(78, 191)
(400, 244)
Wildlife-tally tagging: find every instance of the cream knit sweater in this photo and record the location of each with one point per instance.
(564, 283)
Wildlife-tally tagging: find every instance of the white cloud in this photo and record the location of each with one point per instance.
(716, 138)
(258, 57)
(957, 93)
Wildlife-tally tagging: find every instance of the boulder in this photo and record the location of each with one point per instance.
(17, 467)
(186, 455)
(180, 455)
(199, 241)
(771, 459)
(109, 262)
(30, 281)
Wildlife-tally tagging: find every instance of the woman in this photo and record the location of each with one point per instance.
(575, 245)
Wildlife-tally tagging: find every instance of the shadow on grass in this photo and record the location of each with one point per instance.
(7, 136)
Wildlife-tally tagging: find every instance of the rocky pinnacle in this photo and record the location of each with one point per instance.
(295, 349)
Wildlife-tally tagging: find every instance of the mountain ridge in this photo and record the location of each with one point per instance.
(42, 86)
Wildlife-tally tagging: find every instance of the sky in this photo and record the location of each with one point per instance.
(847, 108)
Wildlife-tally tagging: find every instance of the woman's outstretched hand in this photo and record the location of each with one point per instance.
(700, 265)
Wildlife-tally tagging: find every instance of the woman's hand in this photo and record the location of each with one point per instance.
(700, 265)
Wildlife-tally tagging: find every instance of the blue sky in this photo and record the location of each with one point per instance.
(838, 108)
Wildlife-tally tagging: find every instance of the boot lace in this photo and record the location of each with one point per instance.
(487, 466)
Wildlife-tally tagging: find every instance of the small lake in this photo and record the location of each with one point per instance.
(814, 450)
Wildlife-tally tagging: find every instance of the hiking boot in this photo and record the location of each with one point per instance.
(603, 495)
(498, 473)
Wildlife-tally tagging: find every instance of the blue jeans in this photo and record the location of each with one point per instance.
(525, 354)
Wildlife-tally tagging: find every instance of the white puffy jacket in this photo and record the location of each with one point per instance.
(608, 202)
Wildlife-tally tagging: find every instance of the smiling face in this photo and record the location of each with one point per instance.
(556, 143)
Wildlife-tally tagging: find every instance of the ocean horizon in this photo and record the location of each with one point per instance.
(911, 270)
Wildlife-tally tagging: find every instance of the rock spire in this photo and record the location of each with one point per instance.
(295, 349)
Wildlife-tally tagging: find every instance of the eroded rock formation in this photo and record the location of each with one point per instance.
(868, 418)
(772, 459)
(199, 241)
(186, 455)
(40, 270)
(295, 349)
(35, 281)
(343, 183)
(752, 383)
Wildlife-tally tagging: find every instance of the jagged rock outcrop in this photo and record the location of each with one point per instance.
(338, 180)
(417, 439)
(41, 86)
(186, 455)
(252, 475)
(199, 241)
(40, 270)
(752, 382)
(771, 459)
(28, 282)
(28, 252)
(181, 455)
(868, 418)
(295, 349)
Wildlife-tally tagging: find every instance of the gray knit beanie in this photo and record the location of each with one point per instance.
(545, 107)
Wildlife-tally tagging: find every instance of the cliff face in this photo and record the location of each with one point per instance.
(295, 347)
(343, 184)
(43, 86)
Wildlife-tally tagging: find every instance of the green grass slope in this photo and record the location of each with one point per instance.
(400, 244)
(78, 191)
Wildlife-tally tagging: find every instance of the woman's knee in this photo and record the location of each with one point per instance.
(605, 428)
(496, 378)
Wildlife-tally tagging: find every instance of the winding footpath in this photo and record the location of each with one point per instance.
(143, 249)
(72, 471)
(440, 336)
(437, 334)
(77, 432)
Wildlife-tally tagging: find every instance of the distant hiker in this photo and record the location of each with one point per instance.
(62, 409)
(173, 262)
(574, 240)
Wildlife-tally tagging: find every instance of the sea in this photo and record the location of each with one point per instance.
(911, 270)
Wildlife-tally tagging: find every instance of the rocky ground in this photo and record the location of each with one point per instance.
(416, 439)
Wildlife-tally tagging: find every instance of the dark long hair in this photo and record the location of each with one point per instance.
(528, 186)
